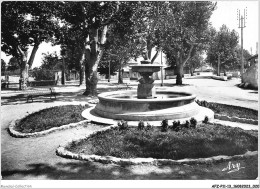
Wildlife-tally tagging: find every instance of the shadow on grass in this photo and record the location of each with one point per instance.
(80, 170)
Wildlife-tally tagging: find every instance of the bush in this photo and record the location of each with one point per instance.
(43, 74)
(176, 125)
(164, 125)
(123, 125)
(186, 124)
(206, 119)
(148, 126)
(193, 122)
(140, 125)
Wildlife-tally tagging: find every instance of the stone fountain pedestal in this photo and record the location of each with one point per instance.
(145, 91)
(146, 87)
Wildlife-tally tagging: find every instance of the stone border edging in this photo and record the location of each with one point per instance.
(18, 134)
(63, 152)
(236, 119)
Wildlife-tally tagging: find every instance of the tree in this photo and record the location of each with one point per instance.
(26, 23)
(50, 61)
(147, 19)
(107, 61)
(246, 55)
(94, 19)
(184, 31)
(121, 46)
(222, 48)
(195, 62)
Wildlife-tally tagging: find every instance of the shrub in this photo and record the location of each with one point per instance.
(164, 124)
(186, 124)
(193, 122)
(140, 125)
(42, 74)
(148, 126)
(176, 125)
(206, 119)
(123, 125)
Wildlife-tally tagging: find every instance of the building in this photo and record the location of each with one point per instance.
(250, 77)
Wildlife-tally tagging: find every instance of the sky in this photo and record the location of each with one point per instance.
(226, 13)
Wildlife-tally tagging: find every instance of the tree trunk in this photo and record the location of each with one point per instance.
(93, 55)
(225, 73)
(31, 59)
(23, 76)
(91, 78)
(149, 49)
(180, 65)
(179, 73)
(191, 71)
(22, 60)
(155, 56)
(120, 74)
(81, 75)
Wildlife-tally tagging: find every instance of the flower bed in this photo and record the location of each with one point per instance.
(49, 118)
(206, 141)
(231, 113)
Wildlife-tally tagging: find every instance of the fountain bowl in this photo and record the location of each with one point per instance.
(124, 105)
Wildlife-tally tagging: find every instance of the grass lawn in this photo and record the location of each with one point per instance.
(229, 110)
(51, 117)
(205, 141)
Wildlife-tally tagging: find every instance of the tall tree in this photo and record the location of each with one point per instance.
(26, 23)
(147, 19)
(222, 49)
(94, 18)
(121, 46)
(185, 31)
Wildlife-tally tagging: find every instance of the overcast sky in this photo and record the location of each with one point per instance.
(226, 13)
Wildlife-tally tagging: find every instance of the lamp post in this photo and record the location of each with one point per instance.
(242, 24)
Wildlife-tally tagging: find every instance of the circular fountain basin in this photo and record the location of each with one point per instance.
(114, 106)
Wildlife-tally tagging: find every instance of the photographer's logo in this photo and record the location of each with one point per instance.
(232, 167)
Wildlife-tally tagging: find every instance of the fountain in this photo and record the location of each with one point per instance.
(147, 103)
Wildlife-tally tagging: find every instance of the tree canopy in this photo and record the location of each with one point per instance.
(223, 44)
(26, 23)
(185, 31)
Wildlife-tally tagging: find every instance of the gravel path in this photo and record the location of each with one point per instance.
(35, 158)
